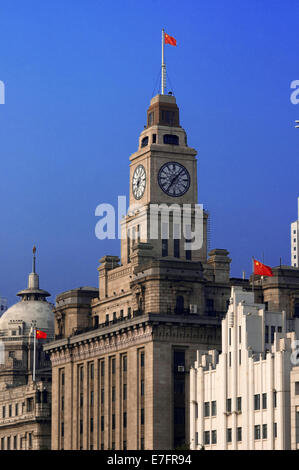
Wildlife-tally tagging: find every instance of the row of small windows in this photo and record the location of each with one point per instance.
(169, 139)
(272, 330)
(16, 442)
(176, 249)
(260, 432)
(210, 408)
(24, 407)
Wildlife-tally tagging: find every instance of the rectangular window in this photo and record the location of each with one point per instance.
(8, 443)
(239, 434)
(113, 421)
(229, 405)
(272, 334)
(91, 371)
(125, 445)
(102, 396)
(142, 359)
(275, 399)
(214, 408)
(207, 437)
(214, 436)
(275, 429)
(113, 394)
(196, 438)
(257, 402)
(240, 357)
(15, 442)
(264, 431)
(264, 401)
(266, 334)
(154, 138)
(229, 435)
(142, 416)
(142, 388)
(229, 359)
(164, 247)
(17, 409)
(240, 335)
(125, 363)
(229, 336)
(121, 314)
(3, 411)
(176, 248)
(102, 369)
(125, 419)
(9, 410)
(206, 409)
(257, 431)
(239, 403)
(113, 365)
(102, 423)
(124, 391)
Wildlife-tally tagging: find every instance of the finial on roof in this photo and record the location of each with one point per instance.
(34, 258)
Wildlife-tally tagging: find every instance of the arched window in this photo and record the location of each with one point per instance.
(144, 142)
(179, 307)
(170, 139)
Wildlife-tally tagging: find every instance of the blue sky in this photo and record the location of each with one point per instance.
(79, 76)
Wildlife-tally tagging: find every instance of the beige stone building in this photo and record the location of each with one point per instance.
(25, 398)
(123, 351)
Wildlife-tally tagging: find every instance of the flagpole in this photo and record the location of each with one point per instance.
(34, 354)
(163, 66)
(252, 274)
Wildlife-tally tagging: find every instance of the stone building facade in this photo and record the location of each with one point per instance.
(241, 399)
(25, 398)
(123, 351)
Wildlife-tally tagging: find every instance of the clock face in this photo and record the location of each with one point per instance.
(174, 179)
(138, 182)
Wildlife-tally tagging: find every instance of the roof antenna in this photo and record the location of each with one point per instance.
(34, 259)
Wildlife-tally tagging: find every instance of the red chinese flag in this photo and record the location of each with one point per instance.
(41, 334)
(169, 40)
(261, 269)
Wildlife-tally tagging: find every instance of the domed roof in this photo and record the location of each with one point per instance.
(32, 307)
(28, 310)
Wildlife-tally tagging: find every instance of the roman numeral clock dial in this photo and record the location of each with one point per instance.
(174, 179)
(139, 182)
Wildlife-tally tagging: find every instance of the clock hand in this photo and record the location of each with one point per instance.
(173, 179)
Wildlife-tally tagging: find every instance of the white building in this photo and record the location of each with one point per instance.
(240, 399)
(3, 305)
(294, 241)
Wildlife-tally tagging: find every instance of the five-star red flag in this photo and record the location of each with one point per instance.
(41, 334)
(261, 269)
(169, 40)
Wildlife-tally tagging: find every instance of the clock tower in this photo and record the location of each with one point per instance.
(163, 177)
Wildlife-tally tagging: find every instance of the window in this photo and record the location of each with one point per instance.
(207, 437)
(8, 443)
(9, 410)
(124, 391)
(206, 409)
(239, 434)
(229, 359)
(272, 334)
(102, 423)
(264, 401)
(142, 359)
(81, 426)
(196, 438)
(229, 336)
(154, 138)
(102, 396)
(240, 356)
(113, 394)
(113, 421)
(210, 305)
(144, 142)
(275, 398)
(121, 314)
(15, 442)
(102, 369)
(125, 362)
(164, 247)
(107, 317)
(176, 248)
(240, 335)
(125, 419)
(279, 329)
(113, 365)
(239, 403)
(142, 443)
(150, 119)
(264, 431)
(179, 308)
(214, 436)
(3, 411)
(91, 398)
(62, 429)
(257, 402)
(168, 116)
(229, 434)
(266, 334)
(125, 445)
(114, 316)
(275, 429)
(214, 408)
(229, 405)
(142, 388)
(17, 409)
(142, 416)
(171, 139)
(257, 431)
